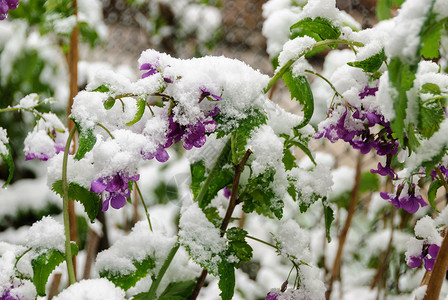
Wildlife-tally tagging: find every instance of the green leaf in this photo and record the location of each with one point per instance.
(236, 234)
(304, 149)
(430, 88)
(226, 280)
(369, 182)
(289, 160)
(178, 290)
(129, 280)
(300, 90)
(402, 78)
(86, 141)
(432, 193)
(430, 116)
(383, 8)
(221, 179)
(102, 89)
(241, 249)
(212, 215)
(329, 218)
(109, 103)
(90, 201)
(370, 64)
(258, 196)
(7, 158)
(430, 37)
(141, 104)
(320, 26)
(44, 264)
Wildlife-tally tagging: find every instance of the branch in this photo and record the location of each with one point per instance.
(225, 222)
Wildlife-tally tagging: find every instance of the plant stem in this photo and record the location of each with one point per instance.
(68, 249)
(225, 222)
(441, 263)
(107, 130)
(290, 62)
(343, 235)
(326, 80)
(155, 284)
(144, 205)
(260, 241)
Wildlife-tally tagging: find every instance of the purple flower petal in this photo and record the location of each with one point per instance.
(433, 250)
(117, 201)
(162, 155)
(97, 186)
(105, 205)
(409, 204)
(414, 262)
(227, 192)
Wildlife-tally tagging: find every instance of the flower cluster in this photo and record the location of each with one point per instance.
(428, 256)
(116, 187)
(5, 6)
(409, 201)
(47, 139)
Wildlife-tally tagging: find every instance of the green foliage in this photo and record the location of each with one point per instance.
(165, 192)
(90, 201)
(129, 280)
(238, 245)
(432, 193)
(141, 104)
(300, 90)
(430, 116)
(44, 264)
(430, 37)
(329, 218)
(430, 88)
(402, 77)
(304, 148)
(258, 196)
(369, 183)
(178, 290)
(219, 181)
(289, 160)
(370, 64)
(212, 215)
(318, 27)
(86, 140)
(102, 89)
(384, 7)
(226, 280)
(7, 158)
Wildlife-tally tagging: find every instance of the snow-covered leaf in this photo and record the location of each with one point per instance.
(370, 64)
(300, 90)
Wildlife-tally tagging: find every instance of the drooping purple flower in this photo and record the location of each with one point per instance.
(362, 145)
(194, 136)
(272, 296)
(227, 192)
(384, 171)
(393, 199)
(43, 142)
(442, 169)
(7, 296)
(338, 131)
(368, 91)
(116, 187)
(161, 154)
(5, 6)
(412, 203)
(206, 93)
(150, 70)
(428, 256)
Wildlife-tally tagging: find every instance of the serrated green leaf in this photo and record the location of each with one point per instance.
(212, 215)
(329, 218)
(127, 281)
(86, 140)
(258, 196)
(432, 193)
(431, 88)
(198, 176)
(320, 26)
(236, 234)
(300, 90)
(90, 201)
(289, 160)
(141, 296)
(370, 64)
(402, 77)
(430, 37)
(369, 182)
(141, 104)
(430, 116)
(241, 249)
(102, 89)
(44, 265)
(305, 150)
(226, 280)
(178, 290)
(10, 163)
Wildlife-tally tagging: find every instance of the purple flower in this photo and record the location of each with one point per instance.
(361, 145)
(7, 296)
(150, 70)
(442, 169)
(206, 93)
(273, 295)
(6, 5)
(384, 171)
(428, 256)
(368, 92)
(44, 144)
(227, 192)
(161, 155)
(409, 203)
(338, 131)
(116, 188)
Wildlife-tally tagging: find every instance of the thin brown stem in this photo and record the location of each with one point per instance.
(343, 235)
(54, 286)
(92, 248)
(225, 222)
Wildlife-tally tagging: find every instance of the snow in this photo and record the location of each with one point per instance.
(3, 141)
(267, 149)
(343, 181)
(295, 48)
(425, 228)
(201, 238)
(92, 289)
(420, 292)
(293, 242)
(46, 234)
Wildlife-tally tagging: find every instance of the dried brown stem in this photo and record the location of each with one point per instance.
(54, 286)
(343, 235)
(92, 247)
(225, 222)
